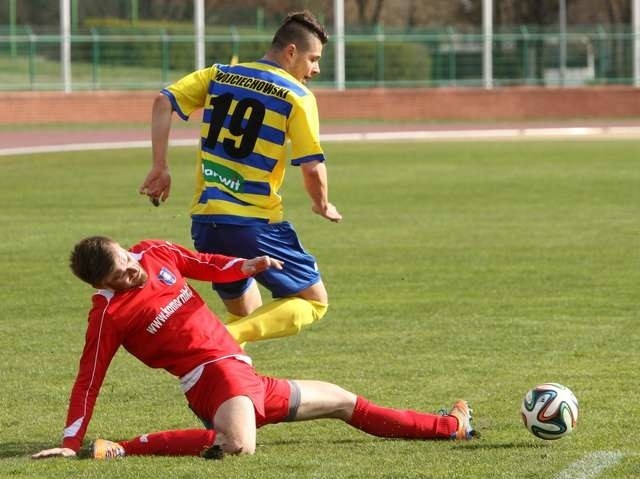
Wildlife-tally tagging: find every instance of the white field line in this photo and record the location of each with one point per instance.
(497, 133)
(107, 145)
(591, 465)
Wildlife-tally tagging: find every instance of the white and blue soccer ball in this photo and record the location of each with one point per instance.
(550, 411)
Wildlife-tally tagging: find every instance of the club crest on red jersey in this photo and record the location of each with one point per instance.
(167, 277)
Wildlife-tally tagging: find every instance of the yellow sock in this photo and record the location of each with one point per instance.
(282, 317)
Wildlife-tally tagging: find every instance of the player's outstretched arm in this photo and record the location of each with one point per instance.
(157, 184)
(54, 452)
(260, 264)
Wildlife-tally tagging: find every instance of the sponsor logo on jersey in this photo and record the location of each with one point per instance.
(167, 311)
(215, 173)
(167, 277)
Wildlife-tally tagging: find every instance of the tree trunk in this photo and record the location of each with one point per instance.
(411, 14)
(375, 18)
(362, 11)
(617, 10)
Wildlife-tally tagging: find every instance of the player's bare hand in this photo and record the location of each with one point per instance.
(330, 212)
(260, 264)
(157, 185)
(55, 452)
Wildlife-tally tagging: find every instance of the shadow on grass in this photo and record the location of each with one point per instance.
(26, 449)
(481, 444)
(22, 449)
(311, 440)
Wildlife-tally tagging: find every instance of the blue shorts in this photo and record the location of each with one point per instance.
(278, 240)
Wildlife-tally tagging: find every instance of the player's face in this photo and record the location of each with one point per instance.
(306, 63)
(127, 273)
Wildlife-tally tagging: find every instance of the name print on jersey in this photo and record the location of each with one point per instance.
(166, 312)
(254, 84)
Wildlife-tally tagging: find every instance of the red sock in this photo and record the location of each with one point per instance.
(387, 422)
(185, 442)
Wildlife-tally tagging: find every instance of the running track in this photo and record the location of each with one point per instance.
(49, 139)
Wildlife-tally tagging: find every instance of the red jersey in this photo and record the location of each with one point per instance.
(164, 323)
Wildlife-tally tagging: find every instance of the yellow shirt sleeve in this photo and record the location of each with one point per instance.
(190, 92)
(304, 131)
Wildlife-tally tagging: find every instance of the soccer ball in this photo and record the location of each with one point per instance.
(550, 411)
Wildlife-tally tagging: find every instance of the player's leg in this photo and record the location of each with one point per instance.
(300, 295)
(316, 292)
(243, 305)
(240, 297)
(235, 426)
(279, 318)
(185, 442)
(228, 397)
(319, 399)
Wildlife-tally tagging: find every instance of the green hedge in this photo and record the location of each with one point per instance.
(367, 61)
(393, 61)
(178, 48)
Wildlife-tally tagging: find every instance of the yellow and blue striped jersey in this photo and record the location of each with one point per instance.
(250, 111)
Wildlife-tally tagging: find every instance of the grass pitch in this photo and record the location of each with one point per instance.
(472, 270)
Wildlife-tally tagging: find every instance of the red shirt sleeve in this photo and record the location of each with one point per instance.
(216, 268)
(101, 343)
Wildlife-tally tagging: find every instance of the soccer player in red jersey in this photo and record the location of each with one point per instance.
(144, 303)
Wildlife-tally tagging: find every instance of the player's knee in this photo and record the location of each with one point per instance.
(345, 402)
(235, 424)
(238, 447)
(236, 444)
(319, 309)
(307, 311)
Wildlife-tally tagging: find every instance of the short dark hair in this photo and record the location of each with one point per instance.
(295, 29)
(92, 259)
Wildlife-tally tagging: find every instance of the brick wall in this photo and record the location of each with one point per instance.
(450, 104)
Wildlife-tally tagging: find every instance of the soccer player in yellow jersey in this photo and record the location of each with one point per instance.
(255, 115)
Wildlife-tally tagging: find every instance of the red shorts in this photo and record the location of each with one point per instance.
(221, 380)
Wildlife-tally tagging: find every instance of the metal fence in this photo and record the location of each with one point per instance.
(522, 56)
